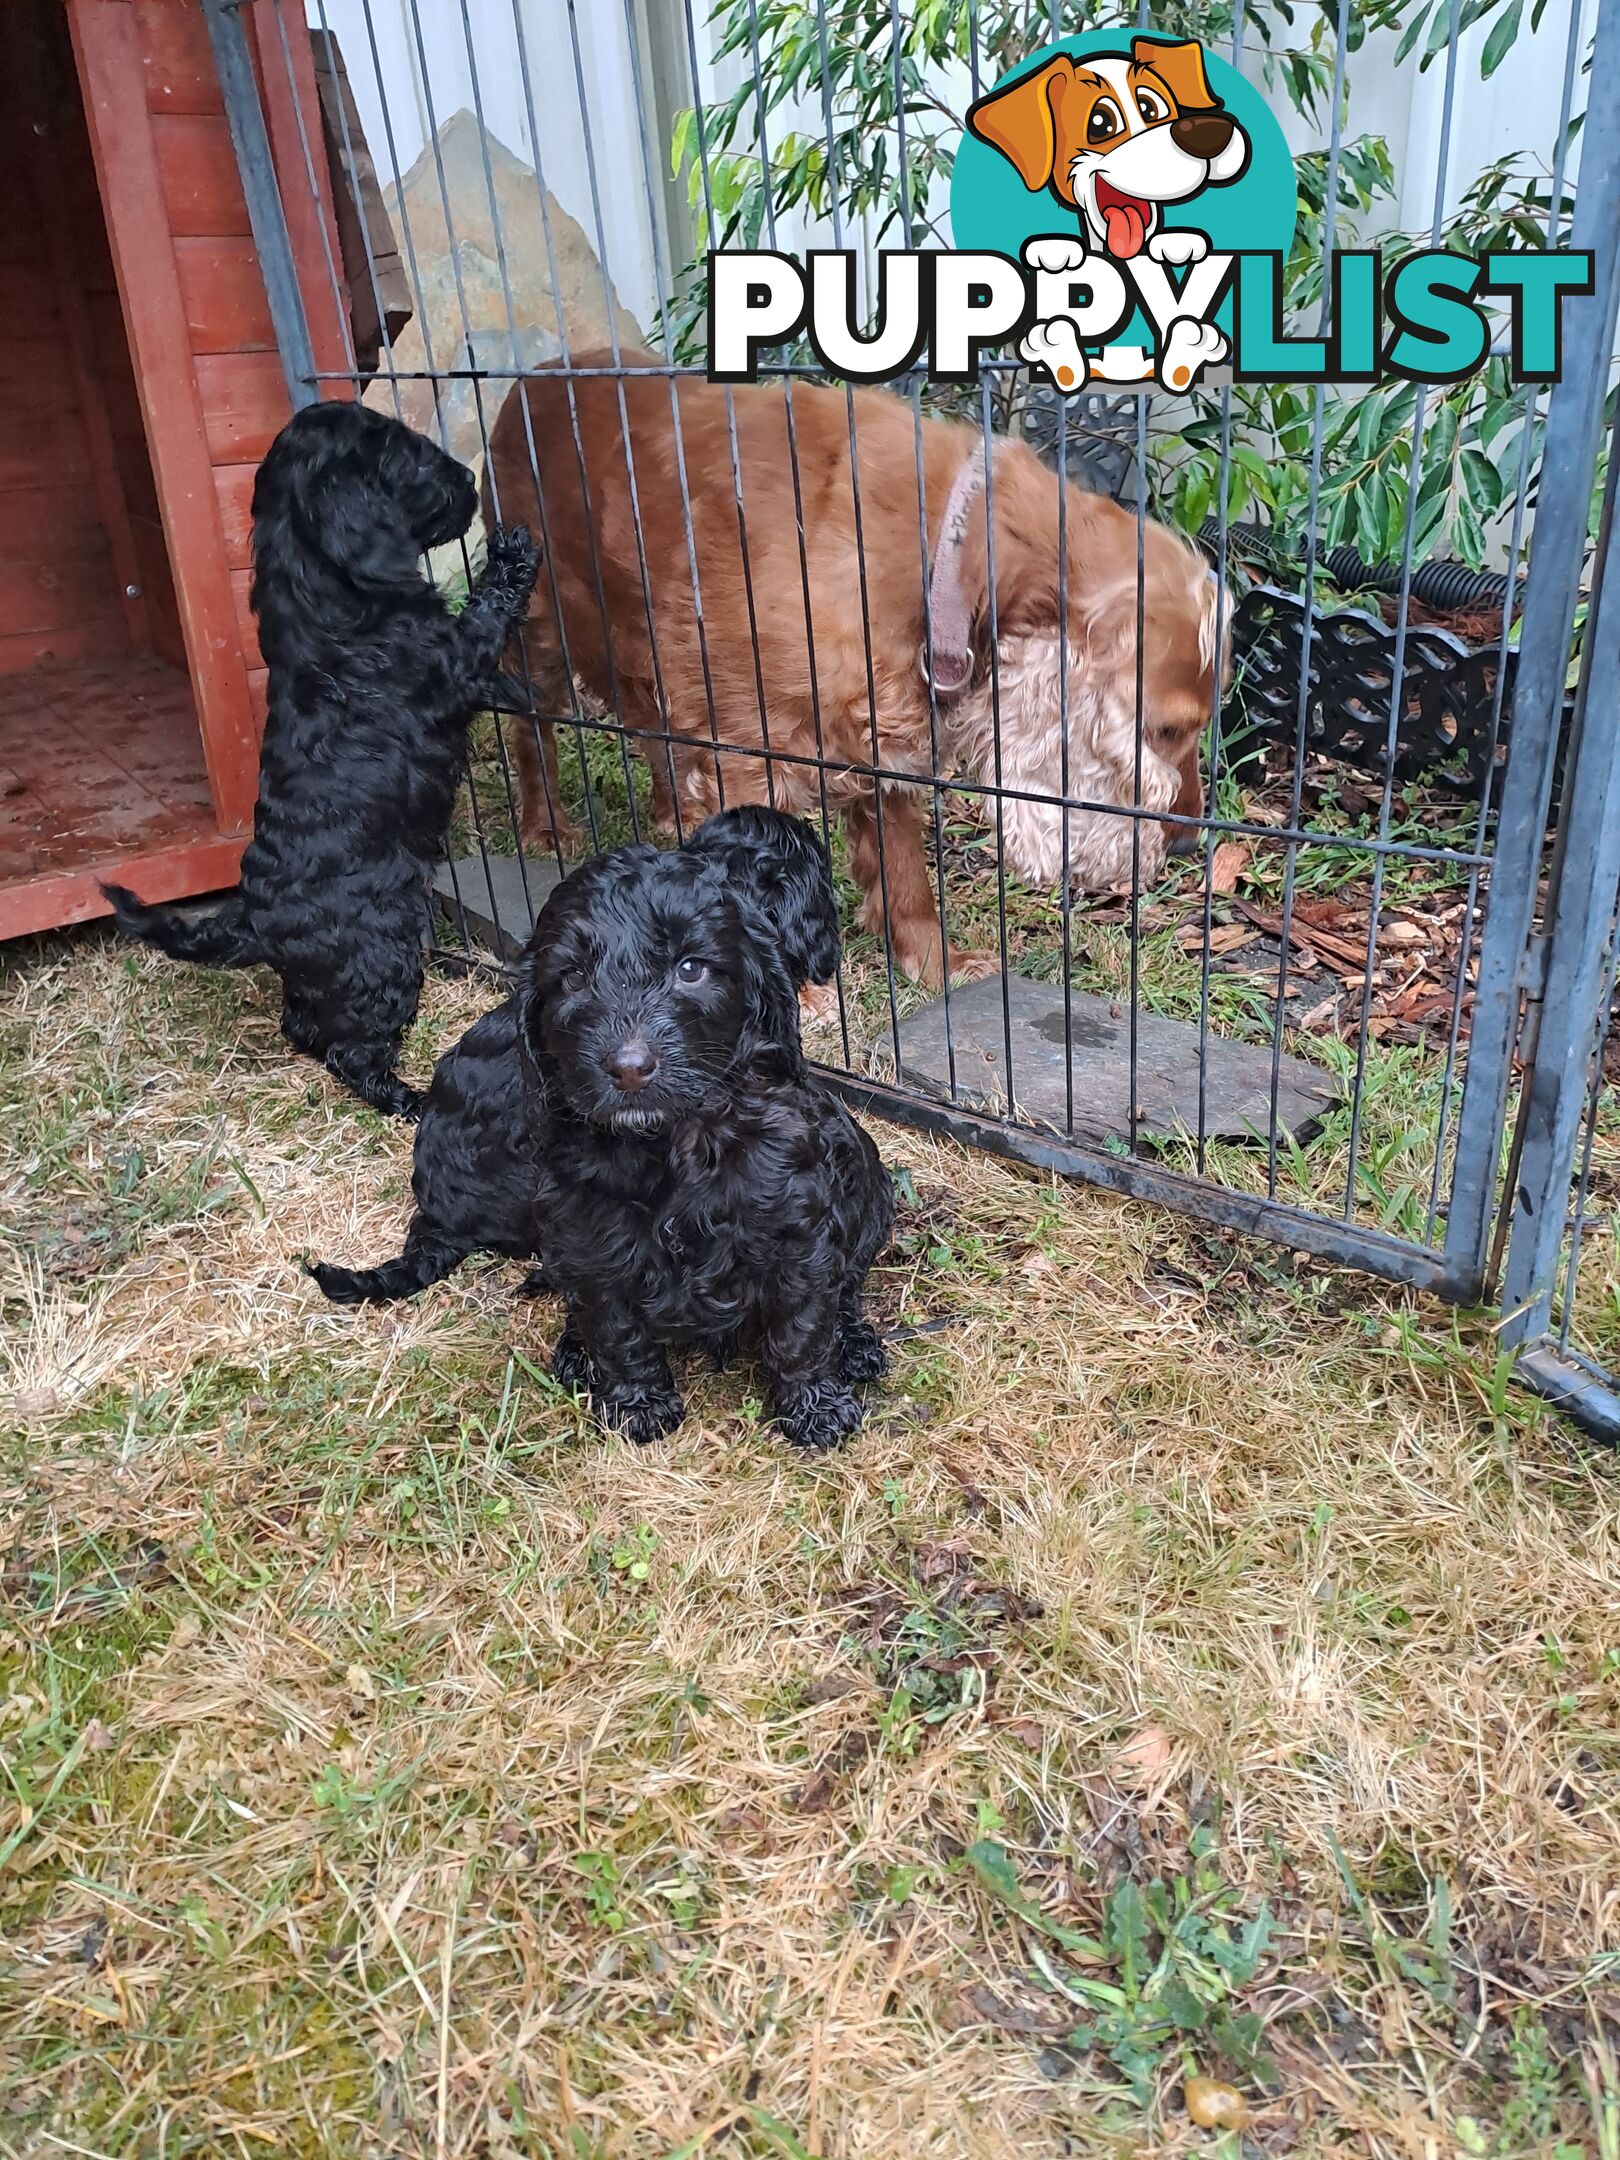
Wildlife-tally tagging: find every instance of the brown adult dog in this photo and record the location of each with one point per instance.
(726, 656)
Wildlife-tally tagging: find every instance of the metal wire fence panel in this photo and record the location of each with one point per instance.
(1230, 968)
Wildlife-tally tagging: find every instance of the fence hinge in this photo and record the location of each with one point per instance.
(1533, 968)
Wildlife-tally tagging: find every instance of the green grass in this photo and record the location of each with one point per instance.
(1203, 1664)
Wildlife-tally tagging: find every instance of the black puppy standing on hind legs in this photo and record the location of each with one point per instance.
(372, 685)
(697, 1185)
(475, 1163)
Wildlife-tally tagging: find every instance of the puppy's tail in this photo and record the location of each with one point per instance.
(427, 1258)
(219, 938)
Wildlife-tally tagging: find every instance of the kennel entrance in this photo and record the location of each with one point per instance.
(139, 385)
(1363, 1016)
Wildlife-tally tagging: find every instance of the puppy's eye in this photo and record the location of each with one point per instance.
(574, 979)
(690, 970)
(1105, 123)
(1151, 106)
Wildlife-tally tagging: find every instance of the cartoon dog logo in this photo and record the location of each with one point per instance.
(1115, 137)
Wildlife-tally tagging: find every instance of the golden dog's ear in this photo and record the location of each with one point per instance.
(1180, 67)
(1019, 121)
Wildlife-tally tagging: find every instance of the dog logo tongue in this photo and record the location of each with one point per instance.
(1125, 217)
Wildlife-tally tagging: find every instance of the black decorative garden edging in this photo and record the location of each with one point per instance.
(1446, 730)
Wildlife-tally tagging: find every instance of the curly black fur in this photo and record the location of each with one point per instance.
(476, 1159)
(696, 1185)
(372, 684)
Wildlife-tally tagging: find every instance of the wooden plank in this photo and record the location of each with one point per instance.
(292, 113)
(244, 402)
(25, 297)
(32, 377)
(135, 471)
(234, 484)
(157, 586)
(201, 187)
(46, 446)
(56, 519)
(223, 290)
(107, 48)
(21, 242)
(49, 154)
(52, 592)
(97, 637)
(177, 61)
(177, 872)
(240, 582)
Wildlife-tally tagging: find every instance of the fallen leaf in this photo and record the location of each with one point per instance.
(1145, 1757)
(360, 1682)
(1227, 865)
(830, 1687)
(1023, 1729)
(977, 2005)
(33, 1402)
(1223, 937)
(850, 1752)
(1214, 2106)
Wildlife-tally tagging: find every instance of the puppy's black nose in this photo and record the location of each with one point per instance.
(630, 1067)
(1202, 134)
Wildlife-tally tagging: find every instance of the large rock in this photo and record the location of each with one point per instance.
(484, 336)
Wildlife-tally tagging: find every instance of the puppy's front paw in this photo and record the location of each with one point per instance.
(722, 1350)
(642, 1415)
(861, 1356)
(1178, 247)
(820, 1416)
(512, 562)
(1189, 348)
(1053, 345)
(570, 1361)
(1055, 252)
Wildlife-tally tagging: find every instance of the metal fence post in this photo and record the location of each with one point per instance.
(1580, 944)
(234, 65)
(1574, 415)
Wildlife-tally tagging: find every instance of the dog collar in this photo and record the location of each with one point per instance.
(950, 622)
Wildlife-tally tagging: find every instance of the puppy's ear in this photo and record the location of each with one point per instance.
(356, 521)
(536, 1060)
(780, 864)
(1021, 121)
(772, 1021)
(1179, 65)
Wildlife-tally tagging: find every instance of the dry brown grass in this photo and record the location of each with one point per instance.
(393, 1765)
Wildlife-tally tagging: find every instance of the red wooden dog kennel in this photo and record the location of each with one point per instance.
(139, 386)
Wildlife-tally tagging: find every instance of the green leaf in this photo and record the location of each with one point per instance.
(1240, 1960)
(1411, 34)
(1125, 1934)
(989, 1862)
(1181, 2006)
(681, 139)
(1483, 481)
(1240, 2039)
(1503, 31)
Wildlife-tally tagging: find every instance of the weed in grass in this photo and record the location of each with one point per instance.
(1161, 1982)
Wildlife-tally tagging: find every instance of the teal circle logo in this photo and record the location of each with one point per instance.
(1110, 164)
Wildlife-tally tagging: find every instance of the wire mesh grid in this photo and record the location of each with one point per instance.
(1325, 923)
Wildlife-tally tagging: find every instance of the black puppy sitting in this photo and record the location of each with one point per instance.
(372, 684)
(476, 1160)
(696, 1185)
